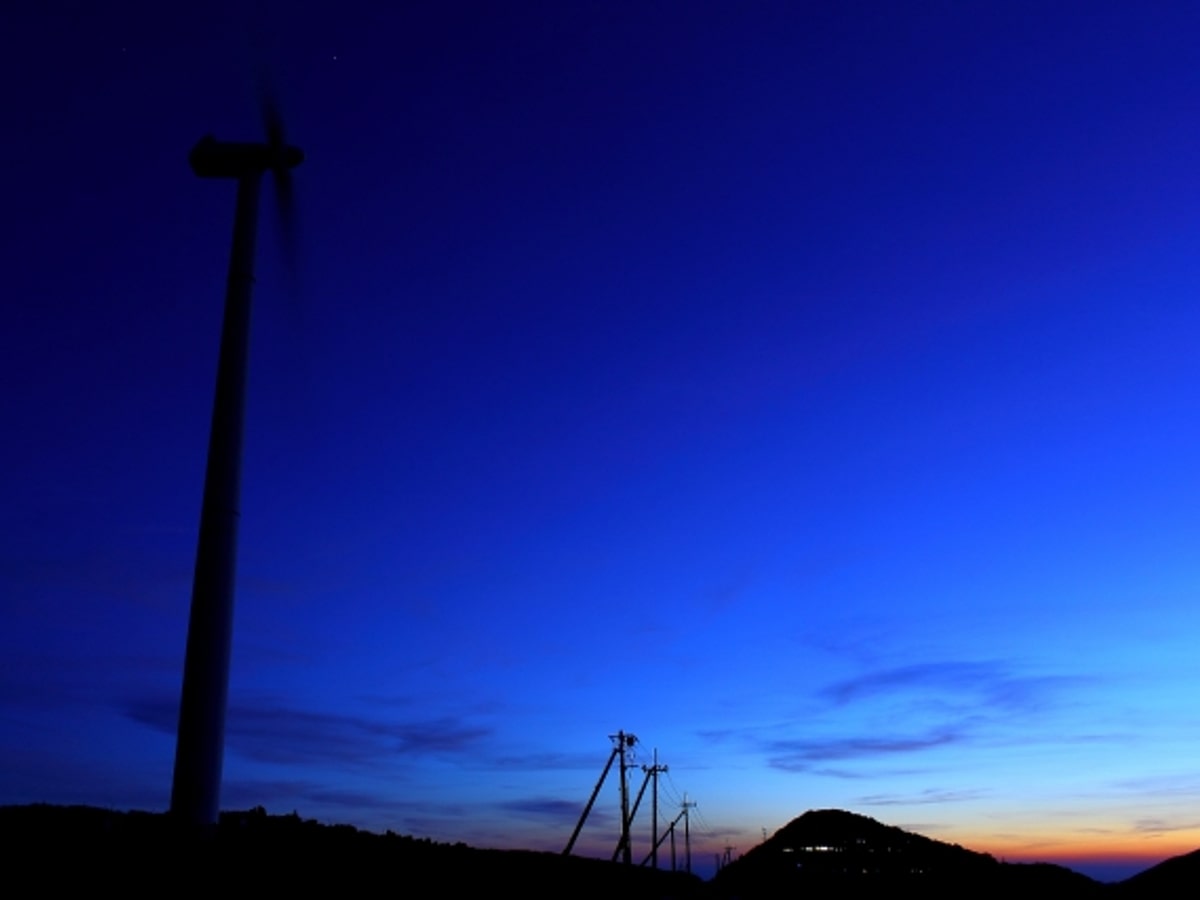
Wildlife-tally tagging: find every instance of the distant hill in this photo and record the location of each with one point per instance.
(825, 853)
(1175, 877)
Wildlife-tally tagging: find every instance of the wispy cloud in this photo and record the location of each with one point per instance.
(543, 761)
(927, 796)
(1161, 826)
(799, 755)
(277, 734)
(875, 773)
(993, 684)
(720, 734)
(543, 807)
(844, 774)
(717, 832)
(942, 704)
(1170, 786)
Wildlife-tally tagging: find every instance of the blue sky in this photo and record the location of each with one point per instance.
(807, 389)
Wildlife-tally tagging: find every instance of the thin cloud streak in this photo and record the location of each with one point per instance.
(1161, 826)
(993, 684)
(928, 796)
(544, 807)
(799, 755)
(544, 761)
(276, 734)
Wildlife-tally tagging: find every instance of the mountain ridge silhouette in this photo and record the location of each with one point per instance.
(821, 853)
(824, 852)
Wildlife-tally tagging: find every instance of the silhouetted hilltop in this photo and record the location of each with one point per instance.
(143, 853)
(828, 852)
(1178, 876)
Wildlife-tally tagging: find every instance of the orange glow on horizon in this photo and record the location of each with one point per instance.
(1140, 850)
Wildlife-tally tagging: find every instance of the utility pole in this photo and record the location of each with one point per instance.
(623, 741)
(673, 845)
(653, 771)
(687, 835)
(670, 833)
(633, 815)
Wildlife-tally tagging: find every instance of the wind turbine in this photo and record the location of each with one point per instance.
(199, 748)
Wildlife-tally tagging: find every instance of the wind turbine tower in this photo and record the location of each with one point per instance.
(199, 748)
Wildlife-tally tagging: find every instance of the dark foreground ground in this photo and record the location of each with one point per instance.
(50, 847)
(822, 854)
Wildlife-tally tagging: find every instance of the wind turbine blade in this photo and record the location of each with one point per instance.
(272, 117)
(284, 158)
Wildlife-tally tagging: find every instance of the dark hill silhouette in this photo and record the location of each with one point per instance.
(823, 853)
(830, 852)
(1178, 876)
(144, 854)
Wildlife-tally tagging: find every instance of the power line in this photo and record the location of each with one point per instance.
(623, 751)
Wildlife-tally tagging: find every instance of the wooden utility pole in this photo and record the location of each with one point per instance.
(653, 771)
(623, 741)
(687, 835)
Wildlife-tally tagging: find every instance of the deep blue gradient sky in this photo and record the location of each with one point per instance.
(809, 389)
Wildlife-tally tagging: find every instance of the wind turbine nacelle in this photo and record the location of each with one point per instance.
(211, 158)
